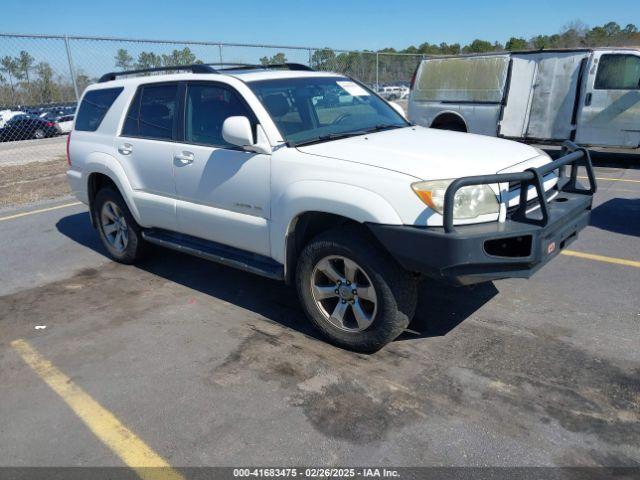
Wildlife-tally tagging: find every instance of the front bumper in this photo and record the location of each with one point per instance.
(517, 247)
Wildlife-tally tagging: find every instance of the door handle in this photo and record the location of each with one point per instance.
(587, 99)
(185, 158)
(125, 149)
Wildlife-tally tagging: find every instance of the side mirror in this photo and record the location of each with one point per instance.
(398, 109)
(237, 131)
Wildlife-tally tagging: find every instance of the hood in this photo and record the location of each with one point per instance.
(430, 154)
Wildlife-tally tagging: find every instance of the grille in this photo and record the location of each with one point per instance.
(533, 202)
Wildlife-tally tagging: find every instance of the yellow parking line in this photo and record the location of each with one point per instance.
(33, 212)
(607, 179)
(122, 441)
(601, 258)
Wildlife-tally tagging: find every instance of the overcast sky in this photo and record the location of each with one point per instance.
(338, 24)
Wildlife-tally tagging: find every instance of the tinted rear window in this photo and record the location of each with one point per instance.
(94, 107)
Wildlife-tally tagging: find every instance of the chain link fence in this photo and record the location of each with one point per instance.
(42, 77)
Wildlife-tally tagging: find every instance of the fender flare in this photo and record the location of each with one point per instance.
(107, 165)
(353, 202)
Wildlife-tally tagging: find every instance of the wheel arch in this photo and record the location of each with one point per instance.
(449, 116)
(309, 208)
(102, 170)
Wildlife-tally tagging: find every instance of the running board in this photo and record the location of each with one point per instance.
(216, 252)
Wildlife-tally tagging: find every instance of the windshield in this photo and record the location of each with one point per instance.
(315, 109)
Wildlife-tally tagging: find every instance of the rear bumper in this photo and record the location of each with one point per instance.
(517, 247)
(77, 185)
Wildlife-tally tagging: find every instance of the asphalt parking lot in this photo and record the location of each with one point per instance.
(205, 365)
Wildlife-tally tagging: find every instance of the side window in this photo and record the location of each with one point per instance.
(618, 72)
(152, 113)
(207, 107)
(94, 107)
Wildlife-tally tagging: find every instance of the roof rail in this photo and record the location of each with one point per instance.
(259, 66)
(206, 68)
(195, 68)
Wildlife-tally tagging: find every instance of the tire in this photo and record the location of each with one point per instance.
(107, 206)
(39, 134)
(394, 289)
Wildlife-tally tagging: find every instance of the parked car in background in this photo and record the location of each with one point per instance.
(6, 115)
(394, 92)
(591, 96)
(65, 123)
(24, 127)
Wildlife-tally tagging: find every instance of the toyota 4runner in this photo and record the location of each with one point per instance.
(311, 178)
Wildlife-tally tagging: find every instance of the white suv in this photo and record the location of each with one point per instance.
(261, 169)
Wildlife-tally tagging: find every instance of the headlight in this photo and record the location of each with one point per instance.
(469, 202)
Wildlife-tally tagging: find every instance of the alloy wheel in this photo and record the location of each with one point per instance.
(344, 293)
(114, 226)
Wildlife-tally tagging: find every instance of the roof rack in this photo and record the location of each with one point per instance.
(206, 68)
(281, 66)
(195, 68)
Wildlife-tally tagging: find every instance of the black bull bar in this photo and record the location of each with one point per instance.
(574, 156)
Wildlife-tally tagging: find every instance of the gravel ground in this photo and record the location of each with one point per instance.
(33, 182)
(28, 151)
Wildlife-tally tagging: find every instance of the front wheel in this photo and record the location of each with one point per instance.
(353, 292)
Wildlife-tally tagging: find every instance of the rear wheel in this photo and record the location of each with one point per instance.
(353, 292)
(39, 133)
(119, 232)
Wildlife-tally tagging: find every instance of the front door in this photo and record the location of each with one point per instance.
(610, 112)
(222, 191)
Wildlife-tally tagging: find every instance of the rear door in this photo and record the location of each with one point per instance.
(554, 96)
(145, 149)
(610, 106)
(515, 113)
(542, 96)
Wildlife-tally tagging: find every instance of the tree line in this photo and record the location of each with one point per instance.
(124, 61)
(369, 67)
(23, 81)
(574, 35)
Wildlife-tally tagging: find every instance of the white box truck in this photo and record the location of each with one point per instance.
(590, 96)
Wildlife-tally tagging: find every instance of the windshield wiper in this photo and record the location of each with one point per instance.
(331, 136)
(382, 126)
(338, 136)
